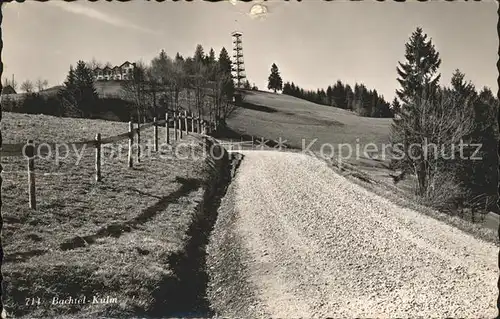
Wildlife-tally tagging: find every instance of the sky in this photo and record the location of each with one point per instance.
(314, 43)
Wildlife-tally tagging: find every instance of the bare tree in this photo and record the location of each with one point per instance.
(430, 141)
(41, 84)
(160, 74)
(197, 81)
(152, 89)
(221, 92)
(93, 64)
(135, 89)
(27, 86)
(177, 81)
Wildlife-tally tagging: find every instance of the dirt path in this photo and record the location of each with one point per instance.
(316, 245)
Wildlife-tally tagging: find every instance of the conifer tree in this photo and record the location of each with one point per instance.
(247, 85)
(79, 92)
(329, 95)
(211, 56)
(178, 57)
(199, 54)
(226, 88)
(395, 106)
(419, 73)
(430, 115)
(349, 97)
(274, 81)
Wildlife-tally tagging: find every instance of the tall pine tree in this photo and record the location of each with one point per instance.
(418, 75)
(395, 106)
(79, 92)
(274, 81)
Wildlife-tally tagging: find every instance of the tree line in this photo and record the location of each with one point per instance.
(359, 99)
(202, 84)
(27, 86)
(447, 134)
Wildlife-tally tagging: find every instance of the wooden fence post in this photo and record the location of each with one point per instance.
(199, 123)
(186, 122)
(175, 125)
(98, 157)
(252, 142)
(30, 152)
(130, 143)
(180, 124)
(138, 141)
(155, 133)
(192, 122)
(2, 294)
(167, 133)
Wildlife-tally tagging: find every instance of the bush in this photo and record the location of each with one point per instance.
(444, 192)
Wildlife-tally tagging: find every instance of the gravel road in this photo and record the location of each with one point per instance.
(313, 244)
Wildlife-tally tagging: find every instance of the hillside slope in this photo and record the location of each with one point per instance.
(126, 237)
(300, 122)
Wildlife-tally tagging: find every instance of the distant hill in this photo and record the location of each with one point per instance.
(103, 88)
(53, 90)
(110, 88)
(48, 92)
(271, 115)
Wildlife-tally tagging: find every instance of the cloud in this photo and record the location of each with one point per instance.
(98, 15)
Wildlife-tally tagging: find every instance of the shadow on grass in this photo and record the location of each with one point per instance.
(23, 255)
(260, 108)
(117, 229)
(188, 297)
(144, 193)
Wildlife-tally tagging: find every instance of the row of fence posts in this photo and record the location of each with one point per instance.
(197, 124)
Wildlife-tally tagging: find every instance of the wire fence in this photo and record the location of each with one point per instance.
(181, 122)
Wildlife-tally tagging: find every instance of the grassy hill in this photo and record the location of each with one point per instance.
(104, 89)
(300, 122)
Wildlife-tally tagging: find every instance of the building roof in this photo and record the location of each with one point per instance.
(125, 63)
(8, 89)
(116, 67)
(97, 69)
(106, 68)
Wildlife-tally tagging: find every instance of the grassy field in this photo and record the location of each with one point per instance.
(302, 123)
(121, 239)
(296, 120)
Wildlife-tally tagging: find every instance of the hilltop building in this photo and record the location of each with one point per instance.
(122, 72)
